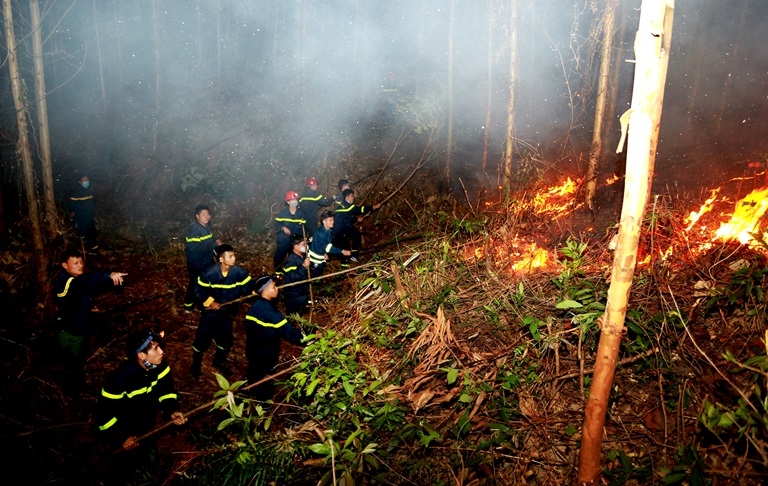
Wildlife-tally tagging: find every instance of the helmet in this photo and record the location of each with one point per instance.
(311, 181)
(139, 341)
(291, 195)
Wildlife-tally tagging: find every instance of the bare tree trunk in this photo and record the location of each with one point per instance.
(601, 102)
(644, 110)
(158, 70)
(488, 89)
(99, 56)
(510, 137)
(618, 62)
(449, 148)
(666, 45)
(51, 219)
(23, 147)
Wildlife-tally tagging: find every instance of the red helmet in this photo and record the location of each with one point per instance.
(291, 195)
(311, 181)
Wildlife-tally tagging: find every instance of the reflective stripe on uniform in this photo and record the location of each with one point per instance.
(223, 286)
(140, 391)
(198, 239)
(266, 324)
(66, 287)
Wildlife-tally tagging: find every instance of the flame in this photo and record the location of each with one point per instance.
(557, 201)
(705, 208)
(531, 259)
(746, 218)
(611, 180)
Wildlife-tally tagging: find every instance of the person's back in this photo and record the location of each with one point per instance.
(310, 202)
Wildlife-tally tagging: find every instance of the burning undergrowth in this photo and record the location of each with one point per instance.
(462, 353)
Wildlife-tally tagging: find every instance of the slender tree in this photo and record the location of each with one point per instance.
(510, 136)
(644, 114)
(23, 147)
(488, 88)
(41, 102)
(449, 148)
(601, 102)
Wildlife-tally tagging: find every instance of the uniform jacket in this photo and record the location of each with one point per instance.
(311, 202)
(294, 271)
(73, 300)
(264, 326)
(320, 245)
(293, 222)
(345, 214)
(213, 285)
(199, 246)
(131, 398)
(81, 203)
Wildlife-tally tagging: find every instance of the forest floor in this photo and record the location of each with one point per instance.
(478, 312)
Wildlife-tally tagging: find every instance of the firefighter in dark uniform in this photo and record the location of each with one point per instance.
(338, 199)
(295, 269)
(215, 286)
(321, 247)
(345, 235)
(82, 209)
(264, 327)
(310, 202)
(74, 289)
(198, 247)
(129, 402)
(288, 222)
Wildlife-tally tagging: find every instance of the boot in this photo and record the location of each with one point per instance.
(220, 362)
(197, 364)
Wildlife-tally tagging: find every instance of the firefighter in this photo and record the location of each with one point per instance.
(198, 247)
(345, 235)
(321, 247)
(129, 401)
(82, 209)
(264, 327)
(288, 222)
(217, 285)
(343, 185)
(74, 288)
(296, 269)
(310, 202)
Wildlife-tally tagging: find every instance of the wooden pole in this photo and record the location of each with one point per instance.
(210, 404)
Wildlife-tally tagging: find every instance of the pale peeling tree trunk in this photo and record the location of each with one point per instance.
(644, 110)
(510, 136)
(666, 45)
(601, 102)
(23, 148)
(51, 219)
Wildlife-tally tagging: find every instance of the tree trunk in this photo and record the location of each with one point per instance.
(666, 45)
(601, 102)
(23, 148)
(510, 136)
(51, 218)
(488, 89)
(644, 110)
(449, 147)
(99, 56)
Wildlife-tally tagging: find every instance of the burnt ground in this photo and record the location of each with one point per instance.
(48, 428)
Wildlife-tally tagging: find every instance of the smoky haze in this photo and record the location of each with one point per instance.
(243, 97)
